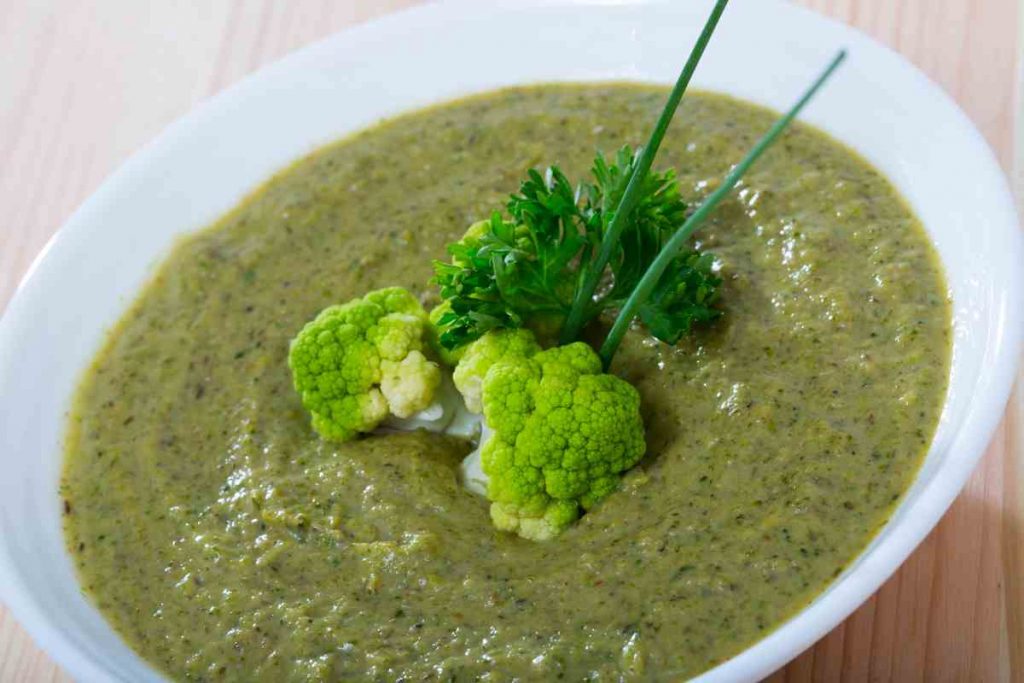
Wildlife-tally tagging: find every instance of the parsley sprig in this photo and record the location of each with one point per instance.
(527, 269)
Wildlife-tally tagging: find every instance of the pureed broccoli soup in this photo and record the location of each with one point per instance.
(225, 540)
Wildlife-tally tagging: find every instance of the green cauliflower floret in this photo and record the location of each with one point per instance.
(450, 357)
(357, 363)
(561, 432)
(480, 355)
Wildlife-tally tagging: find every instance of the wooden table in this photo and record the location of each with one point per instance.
(84, 83)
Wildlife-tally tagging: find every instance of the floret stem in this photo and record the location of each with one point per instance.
(585, 292)
(670, 250)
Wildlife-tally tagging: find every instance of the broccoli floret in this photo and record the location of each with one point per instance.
(357, 364)
(558, 432)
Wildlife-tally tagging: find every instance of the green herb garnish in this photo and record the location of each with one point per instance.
(565, 254)
(527, 269)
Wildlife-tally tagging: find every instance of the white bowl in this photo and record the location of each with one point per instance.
(764, 51)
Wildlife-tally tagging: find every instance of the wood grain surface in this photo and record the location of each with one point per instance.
(83, 83)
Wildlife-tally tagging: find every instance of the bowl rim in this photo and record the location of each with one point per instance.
(802, 628)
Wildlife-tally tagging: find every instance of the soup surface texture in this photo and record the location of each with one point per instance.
(224, 540)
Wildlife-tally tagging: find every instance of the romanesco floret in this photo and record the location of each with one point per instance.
(560, 431)
(358, 363)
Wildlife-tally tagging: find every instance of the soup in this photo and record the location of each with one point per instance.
(225, 540)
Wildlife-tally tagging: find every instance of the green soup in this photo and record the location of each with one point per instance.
(224, 540)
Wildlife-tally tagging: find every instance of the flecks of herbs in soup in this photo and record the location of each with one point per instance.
(224, 540)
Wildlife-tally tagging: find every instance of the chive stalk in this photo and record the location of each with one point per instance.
(585, 292)
(670, 250)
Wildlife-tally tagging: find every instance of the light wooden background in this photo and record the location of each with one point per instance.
(83, 83)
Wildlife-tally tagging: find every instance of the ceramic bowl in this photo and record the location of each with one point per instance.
(763, 51)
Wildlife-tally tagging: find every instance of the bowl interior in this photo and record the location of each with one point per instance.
(205, 163)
